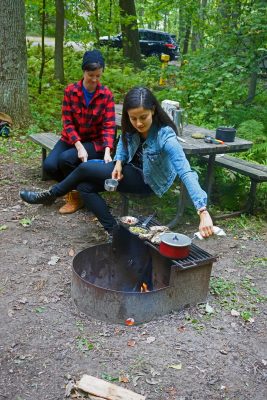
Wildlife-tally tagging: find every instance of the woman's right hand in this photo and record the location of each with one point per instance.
(117, 171)
(82, 153)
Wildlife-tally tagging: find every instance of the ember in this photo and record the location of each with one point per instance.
(129, 321)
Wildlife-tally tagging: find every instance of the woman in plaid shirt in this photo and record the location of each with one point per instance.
(88, 115)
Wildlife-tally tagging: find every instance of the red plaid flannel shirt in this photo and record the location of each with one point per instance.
(95, 123)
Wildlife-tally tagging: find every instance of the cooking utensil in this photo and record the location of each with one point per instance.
(209, 139)
(111, 185)
(147, 220)
(174, 245)
(225, 134)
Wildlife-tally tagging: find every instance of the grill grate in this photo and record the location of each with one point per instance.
(197, 256)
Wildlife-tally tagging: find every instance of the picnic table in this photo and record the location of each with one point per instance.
(211, 153)
(198, 147)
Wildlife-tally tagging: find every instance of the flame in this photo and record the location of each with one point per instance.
(144, 288)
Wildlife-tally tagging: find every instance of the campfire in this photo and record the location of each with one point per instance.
(144, 288)
(131, 279)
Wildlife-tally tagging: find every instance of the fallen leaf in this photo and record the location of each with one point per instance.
(25, 222)
(150, 339)
(181, 328)
(154, 372)
(235, 313)
(135, 379)
(3, 227)
(209, 309)
(224, 352)
(131, 343)
(176, 366)
(23, 300)
(40, 310)
(55, 299)
(44, 299)
(70, 385)
(10, 313)
(53, 260)
(71, 253)
(123, 379)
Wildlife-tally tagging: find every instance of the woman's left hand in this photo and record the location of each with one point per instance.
(206, 224)
(107, 156)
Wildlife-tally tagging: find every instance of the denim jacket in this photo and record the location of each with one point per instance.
(163, 160)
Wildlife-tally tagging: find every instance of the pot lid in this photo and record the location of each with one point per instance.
(175, 239)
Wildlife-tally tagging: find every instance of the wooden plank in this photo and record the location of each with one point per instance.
(46, 139)
(255, 171)
(260, 167)
(199, 146)
(108, 391)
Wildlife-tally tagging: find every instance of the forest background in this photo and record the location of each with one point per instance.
(220, 79)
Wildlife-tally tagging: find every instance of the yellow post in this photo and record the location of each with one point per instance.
(165, 58)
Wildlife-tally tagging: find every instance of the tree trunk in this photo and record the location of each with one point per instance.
(59, 41)
(42, 48)
(129, 29)
(252, 87)
(186, 38)
(97, 34)
(13, 62)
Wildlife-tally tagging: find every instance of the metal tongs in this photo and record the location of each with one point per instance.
(147, 220)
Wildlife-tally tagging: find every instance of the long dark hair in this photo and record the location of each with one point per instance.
(143, 97)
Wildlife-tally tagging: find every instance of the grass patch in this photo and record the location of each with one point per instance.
(243, 297)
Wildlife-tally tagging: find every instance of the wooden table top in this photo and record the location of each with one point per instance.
(199, 146)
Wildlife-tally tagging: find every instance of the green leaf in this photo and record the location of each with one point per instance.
(26, 222)
(110, 378)
(40, 310)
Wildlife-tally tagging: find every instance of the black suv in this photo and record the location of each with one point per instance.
(152, 43)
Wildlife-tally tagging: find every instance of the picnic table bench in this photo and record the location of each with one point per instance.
(256, 172)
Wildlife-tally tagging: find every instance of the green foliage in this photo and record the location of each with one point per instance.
(254, 130)
(242, 296)
(212, 82)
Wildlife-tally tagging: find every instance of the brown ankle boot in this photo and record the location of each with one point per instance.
(73, 203)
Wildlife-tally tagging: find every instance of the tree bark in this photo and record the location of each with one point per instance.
(14, 99)
(129, 29)
(59, 41)
(41, 72)
(186, 38)
(97, 34)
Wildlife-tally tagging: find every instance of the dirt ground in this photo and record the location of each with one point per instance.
(214, 352)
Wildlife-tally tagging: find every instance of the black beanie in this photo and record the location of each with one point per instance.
(92, 57)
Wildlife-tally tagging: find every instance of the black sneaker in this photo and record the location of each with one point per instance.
(44, 197)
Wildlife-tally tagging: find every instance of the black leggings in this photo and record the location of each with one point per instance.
(89, 177)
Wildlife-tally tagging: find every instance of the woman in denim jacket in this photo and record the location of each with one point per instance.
(147, 160)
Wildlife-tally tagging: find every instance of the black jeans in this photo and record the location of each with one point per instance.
(63, 159)
(88, 178)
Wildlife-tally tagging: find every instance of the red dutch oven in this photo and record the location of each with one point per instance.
(174, 245)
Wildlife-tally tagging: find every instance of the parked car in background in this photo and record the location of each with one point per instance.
(152, 43)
